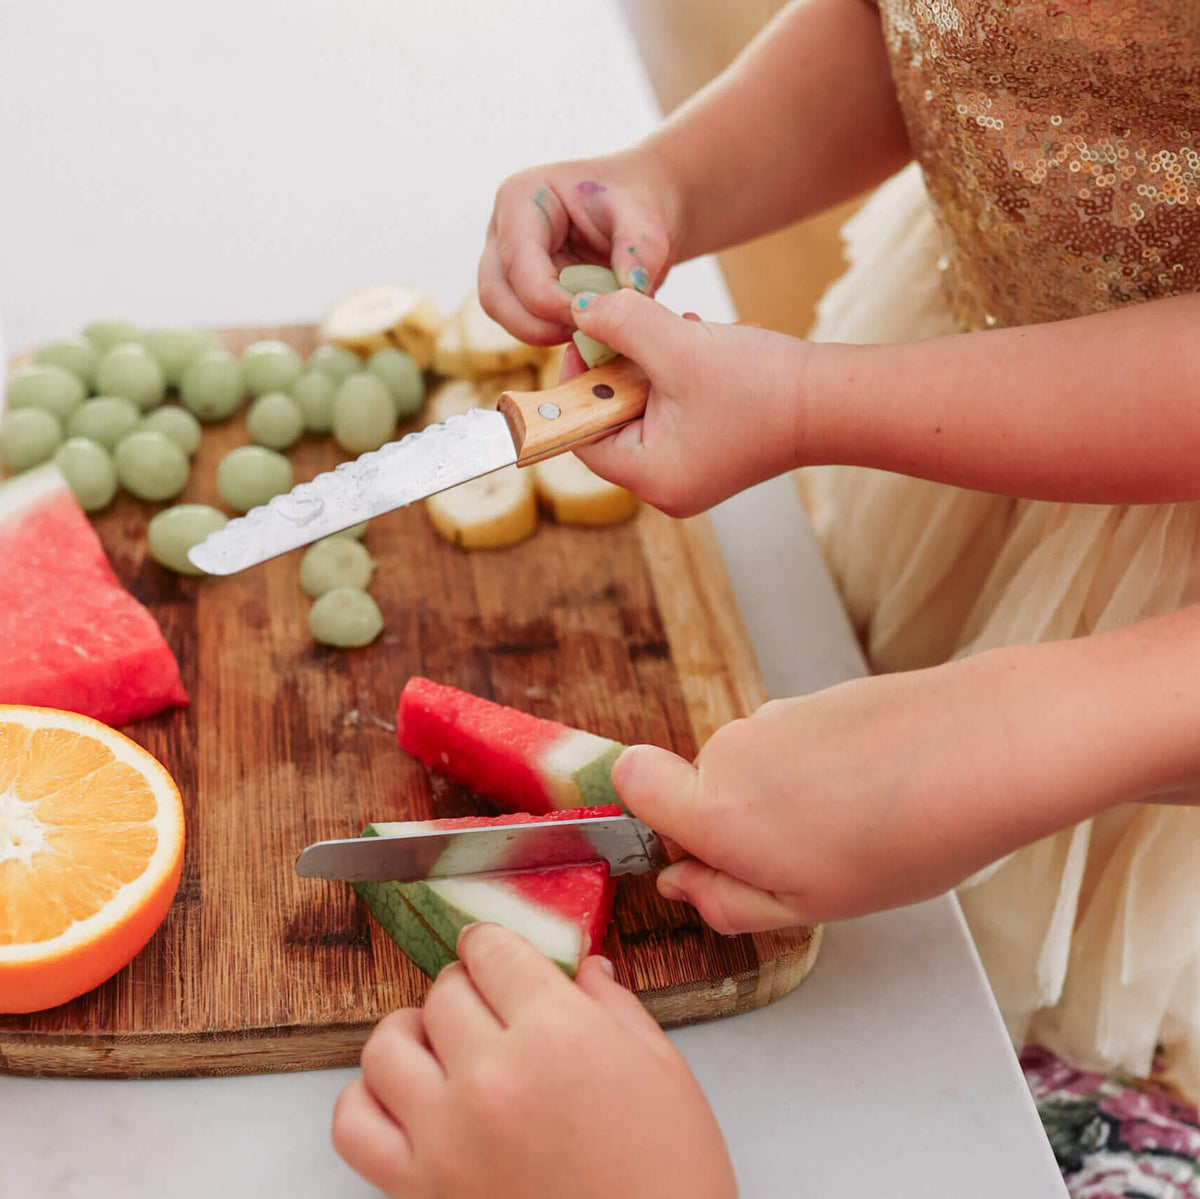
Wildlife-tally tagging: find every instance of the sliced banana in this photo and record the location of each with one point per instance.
(487, 346)
(385, 315)
(453, 398)
(524, 379)
(551, 367)
(449, 354)
(486, 513)
(574, 495)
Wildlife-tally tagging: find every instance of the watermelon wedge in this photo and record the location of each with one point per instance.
(71, 637)
(563, 911)
(518, 761)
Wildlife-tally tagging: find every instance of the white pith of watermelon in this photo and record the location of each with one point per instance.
(520, 762)
(563, 911)
(71, 637)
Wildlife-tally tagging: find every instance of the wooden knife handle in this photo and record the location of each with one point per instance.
(586, 408)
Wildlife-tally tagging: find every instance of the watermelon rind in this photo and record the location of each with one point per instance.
(386, 902)
(594, 780)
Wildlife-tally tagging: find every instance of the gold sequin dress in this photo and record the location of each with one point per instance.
(1057, 173)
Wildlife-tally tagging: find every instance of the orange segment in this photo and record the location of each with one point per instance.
(91, 850)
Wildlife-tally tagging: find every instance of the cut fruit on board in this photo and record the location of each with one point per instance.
(71, 636)
(562, 911)
(91, 849)
(575, 495)
(492, 511)
(385, 315)
(520, 762)
(472, 346)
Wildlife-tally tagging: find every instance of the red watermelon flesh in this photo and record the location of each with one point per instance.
(71, 637)
(519, 761)
(563, 911)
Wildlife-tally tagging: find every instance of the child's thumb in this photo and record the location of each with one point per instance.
(632, 324)
(662, 790)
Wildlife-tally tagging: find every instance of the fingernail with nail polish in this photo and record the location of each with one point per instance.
(584, 299)
(639, 278)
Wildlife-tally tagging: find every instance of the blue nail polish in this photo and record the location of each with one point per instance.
(585, 298)
(639, 278)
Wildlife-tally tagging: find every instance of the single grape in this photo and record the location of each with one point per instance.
(251, 475)
(74, 354)
(51, 388)
(335, 562)
(593, 352)
(150, 465)
(364, 416)
(313, 391)
(176, 423)
(113, 331)
(212, 386)
(176, 529)
(104, 420)
(270, 366)
(275, 420)
(335, 361)
(345, 617)
(130, 371)
(403, 377)
(174, 349)
(89, 472)
(28, 437)
(585, 277)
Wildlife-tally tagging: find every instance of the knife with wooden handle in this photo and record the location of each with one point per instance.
(526, 427)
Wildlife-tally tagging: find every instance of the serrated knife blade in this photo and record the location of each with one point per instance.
(414, 851)
(526, 427)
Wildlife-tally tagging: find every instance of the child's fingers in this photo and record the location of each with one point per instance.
(507, 972)
(640, 248)
(398, 1065)
(502, 304)
(619, 457)
(458, 1023)
(572, 363)
(624, 1006)
(634, 325)
(368, 1140)
(726, 904)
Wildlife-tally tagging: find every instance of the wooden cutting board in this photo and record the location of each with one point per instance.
(630, 631)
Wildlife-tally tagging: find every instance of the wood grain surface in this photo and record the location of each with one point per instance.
(629, 631)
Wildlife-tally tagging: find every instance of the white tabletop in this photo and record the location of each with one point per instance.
(222, 161)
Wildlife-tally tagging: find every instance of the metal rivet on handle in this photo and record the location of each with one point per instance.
(602, 391)
(549, 411)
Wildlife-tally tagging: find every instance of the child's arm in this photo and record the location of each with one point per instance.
(889, 790)
(806, 117)
(514, 1082)
(1099, 409)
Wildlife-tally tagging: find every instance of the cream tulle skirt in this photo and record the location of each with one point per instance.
(1091, 938)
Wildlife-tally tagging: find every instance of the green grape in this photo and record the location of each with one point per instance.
(176, 423)
(150, 465)
(176, 529)
(251, 475)
(51, 388)
(74, 354)
(104, 420)
(275, 420)
(586, 277)
(113, 331)
(335, 562)
(355, 531)
(28, 438)
(364, 416)
(593, 352)
(345, 617)
(270, 366)
(334, 361)
(130, 371)
(174, 349)
(212, 386)
(89, 471)
(403, 378)
(313, 391)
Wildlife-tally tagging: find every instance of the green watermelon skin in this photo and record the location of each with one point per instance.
(71, 637)
(520, 762)
(564, 911)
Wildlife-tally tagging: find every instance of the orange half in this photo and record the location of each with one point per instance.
(91, 850)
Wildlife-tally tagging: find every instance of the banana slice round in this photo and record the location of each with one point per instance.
(385, 315)
(473, 346)
(574, 495)
(486, 513)
(453, 398)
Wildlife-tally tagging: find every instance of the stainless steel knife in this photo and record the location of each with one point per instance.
(525, 428)
(413, 851)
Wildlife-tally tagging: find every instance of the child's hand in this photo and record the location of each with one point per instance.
(726, 406)
(515, 1083)
(621, 211)
(887, 790)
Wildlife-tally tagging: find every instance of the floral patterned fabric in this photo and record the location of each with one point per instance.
(1114, 1137)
